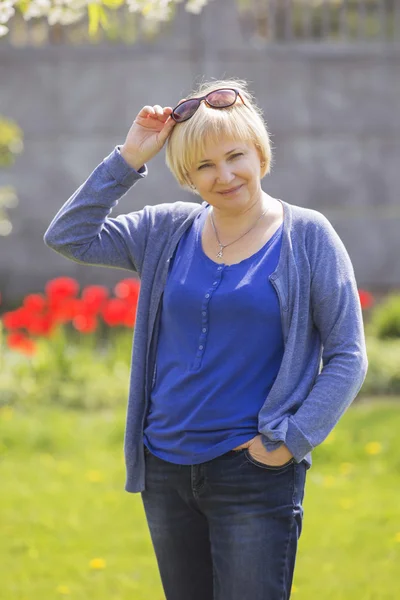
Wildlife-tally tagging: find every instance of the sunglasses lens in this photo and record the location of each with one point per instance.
(185, 110)
(221, 98)
(217, 99)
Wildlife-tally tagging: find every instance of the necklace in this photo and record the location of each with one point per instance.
(222, 246)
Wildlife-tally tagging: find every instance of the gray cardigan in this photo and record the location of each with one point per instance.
(314, 281)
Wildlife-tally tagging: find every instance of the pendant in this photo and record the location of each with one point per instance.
(219, 255)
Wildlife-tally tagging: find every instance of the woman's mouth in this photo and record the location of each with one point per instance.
(231, 191)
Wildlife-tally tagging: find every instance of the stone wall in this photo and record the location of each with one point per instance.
(332, 110)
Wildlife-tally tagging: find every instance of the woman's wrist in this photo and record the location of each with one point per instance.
(130, 160)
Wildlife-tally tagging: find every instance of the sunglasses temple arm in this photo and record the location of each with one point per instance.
(240, 96)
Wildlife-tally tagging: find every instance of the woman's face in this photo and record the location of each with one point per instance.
(228, 175)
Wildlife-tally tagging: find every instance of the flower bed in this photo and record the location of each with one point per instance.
(65, 349)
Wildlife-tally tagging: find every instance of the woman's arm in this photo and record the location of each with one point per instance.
(337, 315)
(82, 229)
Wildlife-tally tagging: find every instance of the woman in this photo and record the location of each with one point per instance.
(241, 297)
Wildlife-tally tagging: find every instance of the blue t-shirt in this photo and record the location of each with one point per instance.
(219, 351)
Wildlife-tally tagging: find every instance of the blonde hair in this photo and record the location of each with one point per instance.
(187, 141)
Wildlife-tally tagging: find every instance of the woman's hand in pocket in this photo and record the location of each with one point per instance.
(273, 458)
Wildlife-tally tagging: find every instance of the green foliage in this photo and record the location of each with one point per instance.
(385, 319)
(97, 16)
(383, 376)
(69, 371)
(98, 13)
(72, 370)
(11, 142)
(8, 200)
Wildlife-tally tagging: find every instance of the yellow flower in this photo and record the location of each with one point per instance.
(63, 589)
(373, 448)
(346, 468)
(329, 481)
(94, 476)
(397, 536)
(6, 413)
(97, 563)
(346, 503)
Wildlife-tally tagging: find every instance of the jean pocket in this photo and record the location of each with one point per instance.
(262, 465)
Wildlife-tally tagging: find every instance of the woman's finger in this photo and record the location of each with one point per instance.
(158, 110)
(146, 110)
(167, 111)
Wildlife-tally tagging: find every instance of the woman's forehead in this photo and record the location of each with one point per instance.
(215, 147)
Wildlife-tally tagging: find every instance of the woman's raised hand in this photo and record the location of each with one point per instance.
(147, 135)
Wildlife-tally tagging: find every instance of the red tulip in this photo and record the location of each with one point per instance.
(85, 323)
(128, 289)
(95, 296)
(114, 312)
(65, 310)
(35, 302)
(366, 299)
(41, 325)
(40, 314)
(16, 319)
(62, 287)
(130, 317)
(20, 342)
(85, 310)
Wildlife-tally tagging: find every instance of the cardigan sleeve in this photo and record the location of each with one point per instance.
(83, 230)
(337, 314)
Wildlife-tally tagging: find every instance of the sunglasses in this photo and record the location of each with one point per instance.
(222, 98)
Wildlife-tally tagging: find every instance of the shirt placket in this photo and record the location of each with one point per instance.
(205, 313)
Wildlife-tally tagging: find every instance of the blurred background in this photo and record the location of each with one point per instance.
(73, 75)
(326, 75)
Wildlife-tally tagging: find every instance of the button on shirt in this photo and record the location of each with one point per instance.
(219, 351)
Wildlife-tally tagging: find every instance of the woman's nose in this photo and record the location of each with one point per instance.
(225, 174)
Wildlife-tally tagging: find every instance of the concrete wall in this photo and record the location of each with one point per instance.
(332, 109)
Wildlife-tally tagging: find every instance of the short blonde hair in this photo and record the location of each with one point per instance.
(187, 140)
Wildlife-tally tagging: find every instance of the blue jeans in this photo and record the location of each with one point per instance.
(225, 529)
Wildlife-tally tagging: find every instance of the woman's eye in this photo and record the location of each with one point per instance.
(233, 156)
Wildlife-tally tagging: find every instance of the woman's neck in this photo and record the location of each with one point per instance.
(229, 223)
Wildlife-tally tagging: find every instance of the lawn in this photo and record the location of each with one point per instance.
(68, 528)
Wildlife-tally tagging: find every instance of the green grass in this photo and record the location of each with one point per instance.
(62, 504)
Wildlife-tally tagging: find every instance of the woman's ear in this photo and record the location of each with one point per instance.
(260, 153)
(261, 156)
